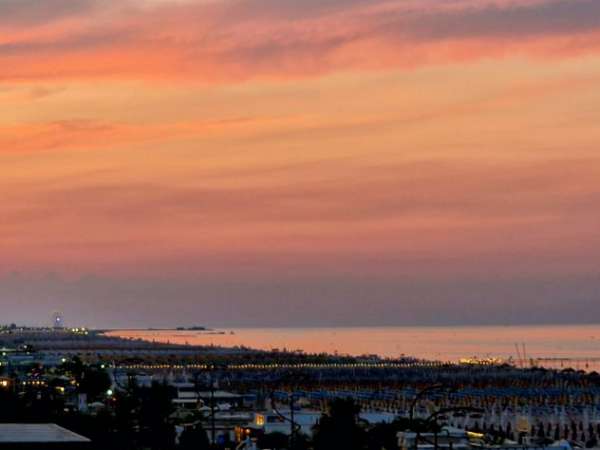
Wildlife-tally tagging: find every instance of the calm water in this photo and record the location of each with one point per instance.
(580, 343)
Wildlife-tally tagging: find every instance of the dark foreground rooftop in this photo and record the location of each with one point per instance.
(39, 436)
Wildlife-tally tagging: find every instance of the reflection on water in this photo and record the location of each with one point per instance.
(581, 344)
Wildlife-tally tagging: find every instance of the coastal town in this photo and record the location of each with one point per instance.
(299, 224)
(106, 391)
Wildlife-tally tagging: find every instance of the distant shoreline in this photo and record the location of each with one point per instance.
(204, 331)
(102, 330)
(312, 327)
(551, 346)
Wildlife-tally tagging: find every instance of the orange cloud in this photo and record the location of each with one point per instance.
(88, 134)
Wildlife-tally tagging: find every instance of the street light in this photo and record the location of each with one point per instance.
(432, 420)
(294, 427)
(421, 394)
(211, 368)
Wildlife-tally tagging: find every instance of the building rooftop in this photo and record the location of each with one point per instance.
(37, 433)
(219, 394)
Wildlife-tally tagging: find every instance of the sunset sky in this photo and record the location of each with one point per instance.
(299, 162)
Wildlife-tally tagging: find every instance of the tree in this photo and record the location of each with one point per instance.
(339, 428)
(125, 415)
(194, 439)
(383, 435)
(155, 408)
(94, 382)
(10, 405)
(301, 442)
(74, 367)
(275, 441)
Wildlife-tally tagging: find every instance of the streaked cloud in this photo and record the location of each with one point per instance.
(85, 134)
(25, 13)
(464, 208)
(228, 41)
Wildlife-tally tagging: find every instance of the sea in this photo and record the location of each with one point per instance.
(552, 346)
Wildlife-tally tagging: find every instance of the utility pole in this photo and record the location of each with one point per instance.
(197, 388)
(212, 407)
(292, 423)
